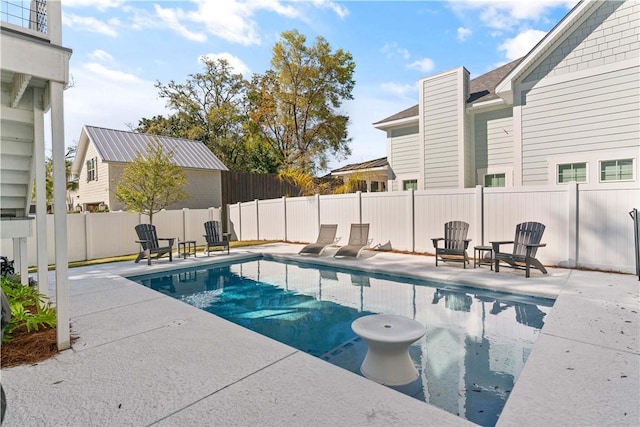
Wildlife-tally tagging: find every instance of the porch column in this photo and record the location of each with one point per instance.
(20, 259)
(60, 214)
(41, 192)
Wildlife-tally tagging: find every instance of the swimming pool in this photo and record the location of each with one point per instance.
(476, 344)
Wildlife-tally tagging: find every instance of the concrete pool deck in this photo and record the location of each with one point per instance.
(143, 358)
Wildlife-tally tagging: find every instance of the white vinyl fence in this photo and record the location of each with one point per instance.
(100, 235)
(586, 225)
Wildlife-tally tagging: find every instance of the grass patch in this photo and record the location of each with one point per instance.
(132, 257)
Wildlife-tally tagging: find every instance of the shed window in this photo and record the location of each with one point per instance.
(616, 170)
(572, 172)
(92, 171)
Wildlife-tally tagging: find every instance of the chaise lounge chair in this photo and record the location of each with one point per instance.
(214, 237)
(455, 243)
(525, 244)
(326, 237)
(148, 240)
(358, 240)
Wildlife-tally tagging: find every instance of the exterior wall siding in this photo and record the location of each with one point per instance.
(593, 114)
(203, 187)
(469, 152)
(95, 191)
(440, 112)
(403, 154)
(608, 35)
(493, 133)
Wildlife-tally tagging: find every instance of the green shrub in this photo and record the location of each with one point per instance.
(29, 308)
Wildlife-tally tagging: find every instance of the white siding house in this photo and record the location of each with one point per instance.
(103, 154)
(567, 111)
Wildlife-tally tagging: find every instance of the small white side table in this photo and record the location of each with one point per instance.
(388, 338)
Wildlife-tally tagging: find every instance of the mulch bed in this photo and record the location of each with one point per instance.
(27, 348)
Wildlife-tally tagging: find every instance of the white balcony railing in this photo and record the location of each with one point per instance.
(31, 14)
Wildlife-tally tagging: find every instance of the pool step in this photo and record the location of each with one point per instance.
(348, 355)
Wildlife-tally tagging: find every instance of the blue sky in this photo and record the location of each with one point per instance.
(121, 48)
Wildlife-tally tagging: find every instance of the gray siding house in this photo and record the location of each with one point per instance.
(567, 111)
(103, 154)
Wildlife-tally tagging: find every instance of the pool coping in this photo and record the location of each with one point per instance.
(565, 382)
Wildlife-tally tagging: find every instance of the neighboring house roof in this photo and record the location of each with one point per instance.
(368, 165)
(122, 147)
(482, 88)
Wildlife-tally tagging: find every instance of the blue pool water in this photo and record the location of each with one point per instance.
(476, 343)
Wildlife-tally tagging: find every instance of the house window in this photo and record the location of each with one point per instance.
(410, 184)
(92, 171)
(616, 170)
(495, 180)
(572, 172)
(374, 186)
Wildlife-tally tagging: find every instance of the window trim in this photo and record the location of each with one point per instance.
(92, 169)
(495, 175)
(409, 180)
(633, 170)
(506, 170)
(557, 172)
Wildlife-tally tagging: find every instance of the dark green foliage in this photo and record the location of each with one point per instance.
(29, 308)
(151, 182)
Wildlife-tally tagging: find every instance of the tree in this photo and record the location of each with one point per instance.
(151, 182)
(296, 103)
(212, 107)
(171, 126)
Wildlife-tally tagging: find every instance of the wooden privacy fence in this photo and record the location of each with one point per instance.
(586, 225)
(246, 186)
(108, 234)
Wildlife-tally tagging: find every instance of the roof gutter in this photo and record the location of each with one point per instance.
(494, 103)
(396, 123)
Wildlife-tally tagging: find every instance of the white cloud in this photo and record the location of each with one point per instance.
(399, 90)
(140, 19)
(506, 14)
(236, 63)
(425, 65)
(463, 33)
(521, 44)
(391, 50)
(231, 20)
(91, 24)
(97, 4)
(172, 18)
(101, 55)
(276, 6)
(108, 98)
(339, 10)
(115, 76)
